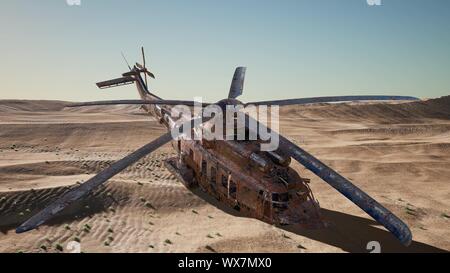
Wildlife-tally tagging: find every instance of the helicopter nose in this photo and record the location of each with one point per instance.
(305, 214)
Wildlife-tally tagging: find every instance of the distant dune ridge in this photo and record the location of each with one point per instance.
(398, 152)
(31, 105)
(431, 108)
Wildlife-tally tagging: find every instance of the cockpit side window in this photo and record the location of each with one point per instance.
(280, 200)
(204, 167)
(232, 189)
(224, 180)
(213, 174)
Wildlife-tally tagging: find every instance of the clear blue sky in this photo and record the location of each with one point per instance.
(50, 50)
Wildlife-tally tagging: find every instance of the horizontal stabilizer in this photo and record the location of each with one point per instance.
(116, 82)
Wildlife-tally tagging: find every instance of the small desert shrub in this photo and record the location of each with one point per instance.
(149, 205)
(59, 247)
(210, 248)
(411, 211)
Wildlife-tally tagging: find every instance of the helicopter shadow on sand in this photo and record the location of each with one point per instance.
(347, 232)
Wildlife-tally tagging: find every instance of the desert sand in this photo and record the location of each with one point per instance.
(399, 153)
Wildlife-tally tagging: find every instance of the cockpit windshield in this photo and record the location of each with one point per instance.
(280, 200)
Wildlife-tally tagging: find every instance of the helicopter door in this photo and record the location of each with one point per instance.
(213, 178)
(204, 173)
(267, 206)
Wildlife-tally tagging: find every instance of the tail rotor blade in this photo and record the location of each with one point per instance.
(145, 67)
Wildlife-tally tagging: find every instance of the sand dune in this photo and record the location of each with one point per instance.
(397, 152)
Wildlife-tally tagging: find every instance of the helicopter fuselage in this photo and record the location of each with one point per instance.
(237, 173)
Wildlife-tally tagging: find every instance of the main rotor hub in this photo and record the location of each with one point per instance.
(223, 103)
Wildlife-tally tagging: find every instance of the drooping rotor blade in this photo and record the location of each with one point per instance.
(91, 184)
(87, 187)
(382, 215)
(139, 102)
(330, 99)
(145, 68)
(237, 84)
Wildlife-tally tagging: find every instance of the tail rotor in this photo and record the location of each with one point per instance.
(143, 68)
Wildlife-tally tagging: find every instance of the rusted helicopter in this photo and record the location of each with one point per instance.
(260, 184)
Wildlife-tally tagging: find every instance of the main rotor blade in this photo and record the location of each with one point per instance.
(92, 183)
(87, 187)
(331, 99)
(237, 84)
(125, 59)
(138, 102)
(382, 215)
